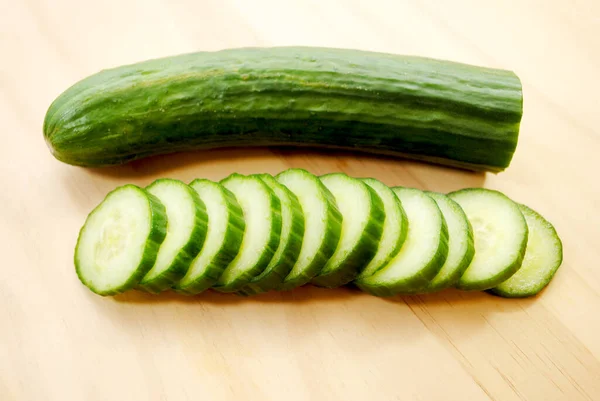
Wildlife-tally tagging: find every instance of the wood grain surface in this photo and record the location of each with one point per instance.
(58, 341)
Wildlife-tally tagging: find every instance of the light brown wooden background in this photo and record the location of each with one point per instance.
(58, 341)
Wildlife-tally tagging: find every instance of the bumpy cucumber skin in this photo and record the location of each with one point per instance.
(157, 235)
(229, 248)
(363, 101)
(403, 228)
(333, 222)
(277, 270)
(467, 257)
(511, 269)
(363, 251)
(188, 252)
(512, 293)
(419, 281)
(243, 279)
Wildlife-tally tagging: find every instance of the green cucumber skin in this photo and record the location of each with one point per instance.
(362, 253)
(418, 282)
(157, 235)
(277, 271)
(467, 258)
(244, 279)
(327, 248)
(506, 293)
(403, 232)
(227, 252)
(184, 258)
(503, 275)
(437, 111)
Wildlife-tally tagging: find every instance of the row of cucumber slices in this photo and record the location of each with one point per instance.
(256, 233)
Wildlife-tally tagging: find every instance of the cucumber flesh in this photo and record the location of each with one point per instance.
(186, 230)
(423, 253)
(119, 241)
(363, 216)
(461, 245)
(542, 259)
(223, 238)
(395, 227)
(262, 214)
(322, 225)
(500, 233)
(290, 242)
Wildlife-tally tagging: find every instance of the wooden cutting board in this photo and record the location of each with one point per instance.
(58, 341)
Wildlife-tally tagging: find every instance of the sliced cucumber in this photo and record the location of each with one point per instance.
(262, 214)
(119, 241)
(322, 225)
(226, 227)
(186, 230)
(423, 253)
(395, 227)
(363, 216)
(500, 233)
(542, 259)
(461, 246)
(290, 242)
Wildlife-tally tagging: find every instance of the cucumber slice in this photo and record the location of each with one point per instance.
(500, 233)
(226, 227)
(362, 225)
(119, 241)
(186, 230)
(395, 227)
(423, 253)
(542, 259)
(461, 245)
(290, 242)
(262, 213)
(322, 225)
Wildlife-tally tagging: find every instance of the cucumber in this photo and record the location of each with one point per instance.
(461, 245)
(186, 230)
(542, 259)
(500, 233)
(290, 242)
(119, 240)
(226, 228)
(423, 253)
(395, 227)
(262, 214)
(432, 110)
(322, 225)
(363, 216)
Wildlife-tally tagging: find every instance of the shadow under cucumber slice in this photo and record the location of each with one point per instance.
(423, 253)
(226, 227)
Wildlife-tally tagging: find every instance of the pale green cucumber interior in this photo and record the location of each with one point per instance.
(112, 241)
(218, 218)
(181, 218)
(458, 237)
(354, 202)
(392, 227)
(286, 218)
(425, 224)
(305, 186)
(542, 258)
(255, 201)
(499, 230)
